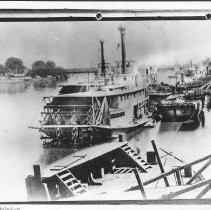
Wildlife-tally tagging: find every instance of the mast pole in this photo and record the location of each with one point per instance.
(103, 67)
(122, 32)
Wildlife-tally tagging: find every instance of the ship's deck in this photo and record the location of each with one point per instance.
(112, 91)
(124, 125)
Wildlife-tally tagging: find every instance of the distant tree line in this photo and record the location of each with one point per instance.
(12, 66)
(43, 69)
(3, 70)
(39, 68)
(15, 65)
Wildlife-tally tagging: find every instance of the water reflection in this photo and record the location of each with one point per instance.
(13, 87)
(21, 147)
(44, 82)
(169, 126)
(21, 87)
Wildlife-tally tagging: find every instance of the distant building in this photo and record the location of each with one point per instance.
(166, 68)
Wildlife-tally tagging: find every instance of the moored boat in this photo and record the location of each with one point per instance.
(94, 112)
(160, 92)
(178, 109)
(157, 96)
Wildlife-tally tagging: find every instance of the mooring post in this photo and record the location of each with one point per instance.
(203, 99)
(140, 183)
(34, 187)
(202, 118)
(160, 163)
(122, 137)
(37, 172)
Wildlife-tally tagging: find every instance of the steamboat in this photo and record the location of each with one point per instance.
(84, 114)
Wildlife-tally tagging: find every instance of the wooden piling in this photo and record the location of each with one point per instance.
(37, 172)
(35, 188)
(202, 118)
(141, 187)
(122, 137)
(179, 182)
(160, 163)
(176, 169)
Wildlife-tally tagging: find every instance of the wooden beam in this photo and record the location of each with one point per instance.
(176, 169)
(65, 105)
(141, 187)
(199, 172)
(188, 189)
(204, 191)
(160, 163)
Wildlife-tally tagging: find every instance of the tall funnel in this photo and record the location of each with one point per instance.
(102, 58)
(122, 32)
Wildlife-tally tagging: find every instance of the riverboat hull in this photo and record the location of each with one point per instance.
(87, 135)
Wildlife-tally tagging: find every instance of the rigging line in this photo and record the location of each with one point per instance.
(172, 155)
(175, 157)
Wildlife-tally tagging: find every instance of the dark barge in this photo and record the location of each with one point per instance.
(187, 112)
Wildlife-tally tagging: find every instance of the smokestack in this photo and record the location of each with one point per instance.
(102, 58)
(122, 31)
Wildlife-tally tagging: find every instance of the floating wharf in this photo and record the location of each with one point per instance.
(72, 173)
(115, 171)
(98, 160)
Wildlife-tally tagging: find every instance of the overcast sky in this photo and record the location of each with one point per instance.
(76, 44)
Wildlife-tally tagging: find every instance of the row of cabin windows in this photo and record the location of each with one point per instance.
(116, 115)
(126, 96)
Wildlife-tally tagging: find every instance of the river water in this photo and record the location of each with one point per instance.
(20, 107)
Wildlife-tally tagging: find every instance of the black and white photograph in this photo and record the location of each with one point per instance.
(105, 105)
